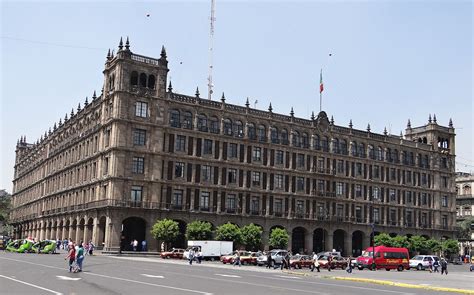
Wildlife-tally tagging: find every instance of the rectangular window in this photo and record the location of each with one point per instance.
(444, 181)
(136, 193)
(358, 214)
(376, 215)
(321, 165)
(340, 212)
(204, 201)
(179, 169)
(207, 147)
(180, 143)
(444, 162)
(424, 180)
(393, 197)
(321, 186)
(409, 198)
(339, 188)
(444, 201)
(376, 195)
(139, 137)
(206, 172)
(232, 150)
(300, 161)
(138, 164)
(278, 207)
(393, 217)
(424, 220)
(300, 208)
(177, 200)
(358, 191)
(257, 154)
(279, 181)
(376, 171)
(279, 157)
(444, 221)
(232, 175)
(424, 199)
(230, 203)
(255, 205)
(358, 169)
(141, 109)
(393, 174)
(300, 183)
(408, 176)
(409, 220)
(255, 178)
(340, 166)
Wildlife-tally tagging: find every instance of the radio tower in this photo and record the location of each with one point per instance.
(211, 45)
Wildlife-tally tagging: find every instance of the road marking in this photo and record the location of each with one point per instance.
(228, 276)
(36, 286)
(68, 278)
(113, 278)
(152, 276)
(288, 277)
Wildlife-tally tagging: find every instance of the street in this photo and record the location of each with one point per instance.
(46, 274)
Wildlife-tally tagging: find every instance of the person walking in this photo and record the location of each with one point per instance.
(444, 266)
(349, 265)
(430, 266)
(91, 248)
(144, 245)
(199, 255)
(269, 259)
(71, 256)
(135, 245)
(436, 266)
(80, 257)
(191, 256)
(237, 259)
(329, 262)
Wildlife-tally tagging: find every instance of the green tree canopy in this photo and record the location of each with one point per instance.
(450, 246)
(165, 230)
(465, 228)
(434, 245)
(400, 242)
(383, 239)
(418, 243)
(199, 230)
(279, 238)
(229, 232)
(252, 236)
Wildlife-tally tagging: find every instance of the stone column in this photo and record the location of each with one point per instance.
(112, 235)
(290, 207)
(191, 202)
(308, 242)
(219, 202)
(330, 241)
(95, 232)
(347, 245)
(267, 206)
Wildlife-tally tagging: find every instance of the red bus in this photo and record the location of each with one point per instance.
(385, 257)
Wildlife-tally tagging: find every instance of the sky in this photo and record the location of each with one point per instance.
(390, 60)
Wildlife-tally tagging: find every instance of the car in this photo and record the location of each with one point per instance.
(262, 259)
(337, 262)
(45, 246)
(3, 242)
(229, 258)
(278, 256)
(421, 262)
(250, 259)
(174, 253)
(301, 261)
(20, 246)
(455, 261)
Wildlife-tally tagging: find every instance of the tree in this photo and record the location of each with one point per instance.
(434, 246)
(165, 230)
(229, 232)
(465, 228)
(450, 246)
(383, 239)
(252, 236)
(400, 242)
(199, 230)
(279, 238)
(417, 243)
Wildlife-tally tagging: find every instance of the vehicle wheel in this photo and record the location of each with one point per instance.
(213, 259)
(419, 267)
(244, 263)
(360, 267)
(387, 269)
(400, 268)
(224, 262)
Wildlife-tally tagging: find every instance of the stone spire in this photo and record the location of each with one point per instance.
(127, 45)
(78, 107)
(94, 96)
(332, 120)
(401, 134)
(409, 124)
(197, 92)
(292, 113)
(86, 102)
(163, 52)
(350, 124)
(429, 119)
(450, 123)
(60, 122)
(434, 118)
(312, 116)
(112, 54)
(385, 131)
(72, 112)
(170, 87)
(109, 56)
(65, 118)
(247, 104)
(49, 131)
(120, 46)
(223, 98)
(270, 108)
(368, 127)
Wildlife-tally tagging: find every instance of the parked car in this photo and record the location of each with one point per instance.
(385, 257)
(421, 262)
(278, 256)
(455, 261)
(45, 246)
(337, 262)
(262, 260)
(174, 253)
(250, 259)
(301, 261)
(229, 258)
(3, 242)
(20, 246)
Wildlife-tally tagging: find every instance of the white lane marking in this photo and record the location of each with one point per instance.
(32, 285)
(68, 278)
(114, 278)
(288, 277)
(152, 276)
(228, 276)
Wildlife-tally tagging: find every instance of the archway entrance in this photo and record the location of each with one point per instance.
(319, 240)
(357, 243)
(338, 241)
(133, 228)
(101, 232)
(297, 240)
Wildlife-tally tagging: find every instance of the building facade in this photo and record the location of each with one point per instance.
(140, 152)
(465, 208)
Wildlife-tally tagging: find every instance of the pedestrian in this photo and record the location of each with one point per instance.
(444, 266)
(349, 266)
(435, 266)
(58, 244)
(191, 256)
(144, 245)
(329, 262)
(91, 248)
(237, 259)
(430, 266)
(199, 256)
(269, 259)
(71, 256)
(86, 249)
(135, 245)
(80, 257)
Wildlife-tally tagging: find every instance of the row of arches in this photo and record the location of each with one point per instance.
(142, 80)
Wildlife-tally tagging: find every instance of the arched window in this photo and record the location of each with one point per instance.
(296, 139)
(335, 146)
(325, 144)
(134, 78)
(261, 133)
(361, 150)
(214, 125)
(274, 135)
(371, 152)
(227, 127)
(284, 136)
(239, 129)
(343, 147)
(251, 131)
(305, 140)
(316, 142)
(151, 82)
(395, 156)
(175, 118)
(379, 154)
(466, 190)
(202, 123)
(143, 80)
(187, 120)
(388, 155)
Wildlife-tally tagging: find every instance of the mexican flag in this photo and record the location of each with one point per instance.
(321, 85)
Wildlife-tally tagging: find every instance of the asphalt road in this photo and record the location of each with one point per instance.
(48, 274)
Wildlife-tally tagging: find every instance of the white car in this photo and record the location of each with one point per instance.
(421, 262)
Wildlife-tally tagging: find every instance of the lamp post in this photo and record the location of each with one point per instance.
(373, 234)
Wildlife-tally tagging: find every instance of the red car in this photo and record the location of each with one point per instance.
(175, 253)
(300, 261)
(337, 262)
(229, 258)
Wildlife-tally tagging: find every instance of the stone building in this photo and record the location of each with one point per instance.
(465, 207)
(140, 152)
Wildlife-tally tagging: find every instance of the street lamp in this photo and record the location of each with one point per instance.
(373, 233)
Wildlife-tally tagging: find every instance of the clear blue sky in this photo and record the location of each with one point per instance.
(392, 60)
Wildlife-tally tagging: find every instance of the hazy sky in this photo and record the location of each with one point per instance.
(391, 60)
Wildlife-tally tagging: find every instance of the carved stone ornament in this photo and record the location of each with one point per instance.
(322, 122)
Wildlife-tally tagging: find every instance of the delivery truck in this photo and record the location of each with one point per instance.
(211, 250)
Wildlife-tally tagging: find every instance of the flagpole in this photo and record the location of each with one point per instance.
(320, 101)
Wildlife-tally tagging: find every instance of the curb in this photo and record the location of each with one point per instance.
(297, 273)
(403, 285)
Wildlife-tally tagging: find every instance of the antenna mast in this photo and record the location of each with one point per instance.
(211, 45)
